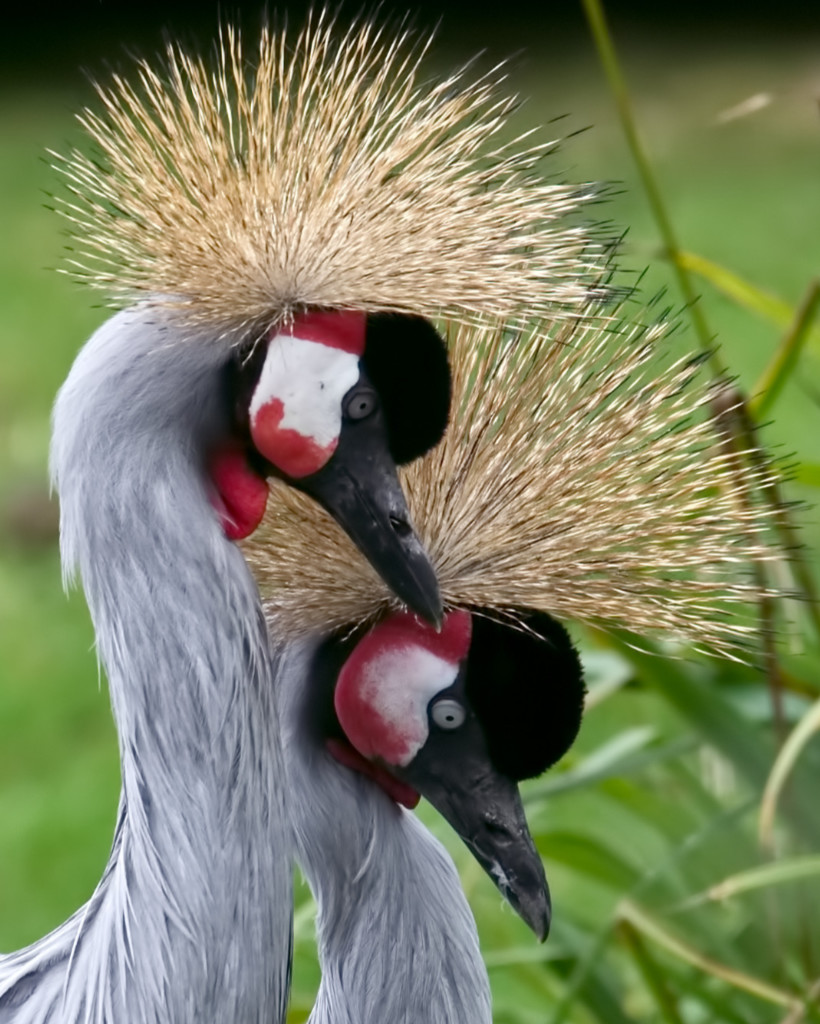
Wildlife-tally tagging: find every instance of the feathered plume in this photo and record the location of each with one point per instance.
(330, 172)
(582, 474)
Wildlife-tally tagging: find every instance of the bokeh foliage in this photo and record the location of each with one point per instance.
(659, 803)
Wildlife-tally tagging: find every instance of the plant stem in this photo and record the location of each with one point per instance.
(791, 345)
(794, 339)
(654, 979)
(746, 430)
(654, 930)
(609, 59)
(786, 759)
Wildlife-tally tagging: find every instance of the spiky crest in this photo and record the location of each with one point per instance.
(328, 172)
(583, 475)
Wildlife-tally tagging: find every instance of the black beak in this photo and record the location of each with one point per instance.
(485, 808)
(360, 488)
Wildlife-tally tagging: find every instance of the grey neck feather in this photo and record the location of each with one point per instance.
(191, 921)
(397, 940)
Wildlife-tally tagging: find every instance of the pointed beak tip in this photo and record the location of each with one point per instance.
(418, 588)
(485, 809)
(537, 915)
(426, 615)
(432, 612)
(542, 928)
(371, 509)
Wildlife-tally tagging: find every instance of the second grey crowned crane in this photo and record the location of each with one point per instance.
(254, 225)
(418, 711)
(581, 477)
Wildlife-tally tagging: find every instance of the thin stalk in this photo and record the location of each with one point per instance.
(763, 876)
(732, 419)
(799, 1013)
(609, 59)
(788, 351)
(782, 768)
(599, 28)
(584, 967)
(655, 981)
(747, 430)
(654, 930)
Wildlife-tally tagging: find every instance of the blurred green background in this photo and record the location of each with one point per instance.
(659, 799)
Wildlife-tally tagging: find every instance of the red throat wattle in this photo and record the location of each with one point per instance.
(399, 791)
(240, 494)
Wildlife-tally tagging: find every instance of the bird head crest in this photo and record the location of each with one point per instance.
(327, 171)
(584, 475)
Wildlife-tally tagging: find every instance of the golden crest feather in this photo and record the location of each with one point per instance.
(331, 173)
(583, 474)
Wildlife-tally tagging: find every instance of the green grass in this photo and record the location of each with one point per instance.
(658, 801)
(58, 763)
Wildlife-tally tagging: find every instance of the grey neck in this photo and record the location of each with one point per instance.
(191, 920)
(397, 940)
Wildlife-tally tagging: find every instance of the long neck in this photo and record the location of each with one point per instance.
(192, 919)
(397, 940)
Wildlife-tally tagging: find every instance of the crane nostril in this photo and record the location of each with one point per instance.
(496, 830)
(400, 526)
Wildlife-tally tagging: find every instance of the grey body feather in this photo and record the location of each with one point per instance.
(191, 920)
(397, 940)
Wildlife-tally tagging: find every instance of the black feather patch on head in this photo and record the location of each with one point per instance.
(527, 690)
(406, 361)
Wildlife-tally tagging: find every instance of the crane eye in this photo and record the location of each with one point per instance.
(448, 714)
(360, 403)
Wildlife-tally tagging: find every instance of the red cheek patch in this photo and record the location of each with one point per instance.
(291, 452)
(369, 732)
(240, 494)
(384, 687)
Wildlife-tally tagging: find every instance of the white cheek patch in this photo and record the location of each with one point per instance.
(397, 685)
(299, 396)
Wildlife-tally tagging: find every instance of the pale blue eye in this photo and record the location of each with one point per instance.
(360, 404)
(448, 714)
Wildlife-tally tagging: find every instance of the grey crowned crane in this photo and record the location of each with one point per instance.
(255, 225)
(582, 477)
(411, 711)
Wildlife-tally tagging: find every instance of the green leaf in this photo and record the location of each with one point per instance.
(750, 749)
(589, 857)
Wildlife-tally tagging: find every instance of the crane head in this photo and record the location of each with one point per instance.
(331, 404)
(461, 716)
